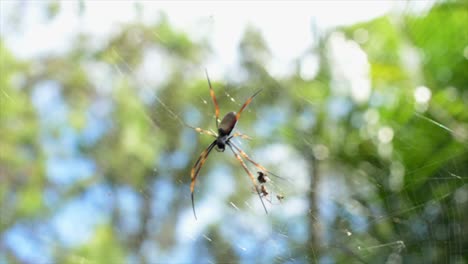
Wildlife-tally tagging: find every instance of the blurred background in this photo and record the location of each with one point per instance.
(363, 112)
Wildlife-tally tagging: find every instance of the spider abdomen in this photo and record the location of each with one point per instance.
(227, 124)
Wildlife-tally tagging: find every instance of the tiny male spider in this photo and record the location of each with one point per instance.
(223, 139)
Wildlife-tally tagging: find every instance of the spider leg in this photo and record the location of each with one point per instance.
(203, 131)
(213, 96)
(196, 169)
(252, 178)
(260, 167)
(243, 136)
(246, 104)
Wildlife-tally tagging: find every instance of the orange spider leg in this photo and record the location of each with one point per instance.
(243, 136)
(246, 104)
(252, 178)
(213, 96)
(203, 131)
(260, 167)
(196, 169)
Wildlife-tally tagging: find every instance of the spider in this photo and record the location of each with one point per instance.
(223, 139)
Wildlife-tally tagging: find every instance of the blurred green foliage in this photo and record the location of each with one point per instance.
(393, 186)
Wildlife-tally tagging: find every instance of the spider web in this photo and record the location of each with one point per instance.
(232, 226)
(250, 232)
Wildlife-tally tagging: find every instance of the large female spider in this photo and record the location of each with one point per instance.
(223, 139)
